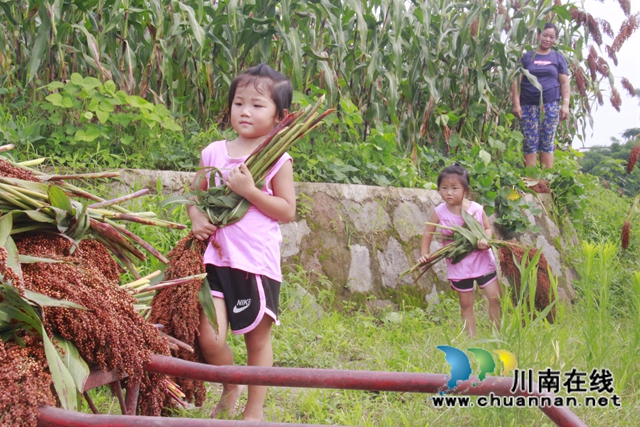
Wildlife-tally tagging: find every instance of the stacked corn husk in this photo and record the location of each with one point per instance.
(223, 206)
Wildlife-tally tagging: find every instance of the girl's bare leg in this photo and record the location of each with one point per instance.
(493, 293)
(466, 309)
(259, 353)
(216, 351)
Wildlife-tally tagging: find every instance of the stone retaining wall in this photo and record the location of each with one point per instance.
(363, 237)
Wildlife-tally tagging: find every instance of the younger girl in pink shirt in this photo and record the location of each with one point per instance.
(479, 265)
(244, 270)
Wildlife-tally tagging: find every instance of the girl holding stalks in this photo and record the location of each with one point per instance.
(480, 265)
(244, 270)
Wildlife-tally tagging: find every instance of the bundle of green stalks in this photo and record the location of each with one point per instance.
(33, 201)
(464, 240)
(223, 206)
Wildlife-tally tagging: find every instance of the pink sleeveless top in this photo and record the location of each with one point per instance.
(253, 243)
(477, 263)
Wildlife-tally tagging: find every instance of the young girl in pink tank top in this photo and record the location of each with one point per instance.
(244, 272)
(480, 265)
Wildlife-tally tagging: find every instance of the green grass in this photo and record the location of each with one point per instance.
(600, 330)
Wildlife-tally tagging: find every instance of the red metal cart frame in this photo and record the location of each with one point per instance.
(284, 377)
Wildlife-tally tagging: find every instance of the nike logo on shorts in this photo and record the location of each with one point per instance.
(242, 305)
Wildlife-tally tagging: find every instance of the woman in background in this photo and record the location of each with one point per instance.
(550, 68)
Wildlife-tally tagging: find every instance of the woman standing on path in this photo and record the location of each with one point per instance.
(550, 68)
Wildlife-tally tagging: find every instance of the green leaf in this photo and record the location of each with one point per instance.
(75, 364)
(91, 134)
(6, 224)
(77, 79)
(63, 381)
(55, 85)
(197, 30)
(59, 199)
(138, 102)
(67, 102)
(103, 116)
(169, 124)
(91, 83)
(28, 259)
(39, 49)
(110, 87)
(204, 295)
(486, 157)
(16, 309)
(46, 301)
(55, 99)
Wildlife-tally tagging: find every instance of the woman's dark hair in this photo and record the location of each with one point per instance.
(549, 25)
(265, 79)
(456, 169)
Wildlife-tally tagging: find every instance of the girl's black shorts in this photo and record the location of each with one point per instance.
(247, 296)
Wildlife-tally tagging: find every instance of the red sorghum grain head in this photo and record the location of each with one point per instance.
(9, 171)
(178, 309)
(606, 27)
(615, 99)
(628, 27)
(581, 81)
(626, 84)
(633, 158)
(592, 60)
(510, 269)
(625, 5)
(612, 54)
(578, 16)
(602, 67)
(594, 29)
(626, 234)
(474, 28)
(25, 383)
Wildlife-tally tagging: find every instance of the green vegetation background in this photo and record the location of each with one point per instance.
(142, 84)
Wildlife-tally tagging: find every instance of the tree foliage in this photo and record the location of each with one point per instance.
(610, 164)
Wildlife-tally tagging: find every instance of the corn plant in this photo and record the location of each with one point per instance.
(439, 71)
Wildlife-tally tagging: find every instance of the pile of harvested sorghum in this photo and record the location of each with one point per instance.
(511, 270)
(110, 333)
(178, 309)
(10, 171)
(25, 382)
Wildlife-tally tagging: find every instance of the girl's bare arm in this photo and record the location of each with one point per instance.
(425, 245)
(482, 244)
(200, 225)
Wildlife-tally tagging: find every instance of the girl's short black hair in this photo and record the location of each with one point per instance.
(549, 25)
(458, 170)
(265, 79)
